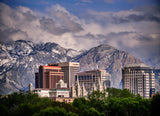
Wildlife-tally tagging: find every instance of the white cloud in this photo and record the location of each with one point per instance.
(128, 30)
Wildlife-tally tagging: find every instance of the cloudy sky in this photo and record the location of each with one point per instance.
(129, 25)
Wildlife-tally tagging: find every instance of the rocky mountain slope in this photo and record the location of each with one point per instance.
(108, 58)
(19, 61)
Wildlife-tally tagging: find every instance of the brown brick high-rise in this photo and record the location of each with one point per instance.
(48, 76)
(70, 69)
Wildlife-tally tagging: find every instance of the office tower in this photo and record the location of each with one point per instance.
(70, 69)
(156, 71)
(94, 80)
(37, 80)
(106, 79)
(48, 76)
(139, 79)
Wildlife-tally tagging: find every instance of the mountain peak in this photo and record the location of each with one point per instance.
(105, 45)
(22, 41)
(20, 60)
(51, 44)
(102, 47)
(106, 57)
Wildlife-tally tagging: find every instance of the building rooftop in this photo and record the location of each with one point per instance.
(65, 64)
(138, 65)
(50, 66)
(51, 89)
(92, 71)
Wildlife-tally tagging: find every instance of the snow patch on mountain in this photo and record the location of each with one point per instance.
(19, 60)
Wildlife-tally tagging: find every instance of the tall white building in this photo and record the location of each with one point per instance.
(70, 69)
(139, 79)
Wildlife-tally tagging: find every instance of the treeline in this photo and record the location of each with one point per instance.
(112, 102)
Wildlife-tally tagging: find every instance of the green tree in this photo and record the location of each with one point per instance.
(91, 112)
(113, 92)
(49, 111)
(97, 100)
(128, 106)
(72, 114)
(24, 103)
(155, 104)
(66, 106)
(81, 103)
(22, 110)
(125, 93)
(3, 110)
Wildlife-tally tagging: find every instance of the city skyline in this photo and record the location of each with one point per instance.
(137, 78)
(67, 78)
(128, 25)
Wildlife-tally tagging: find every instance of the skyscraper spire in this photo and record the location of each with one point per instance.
(100, 86)
(94, 87)
(84, 91)
(78, 88)
(73, 91)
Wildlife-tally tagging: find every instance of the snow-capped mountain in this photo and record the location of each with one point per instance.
(19, 60)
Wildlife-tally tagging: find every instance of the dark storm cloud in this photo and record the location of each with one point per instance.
(135, 18)
(49, 25)
(143, 13)
(24, 23)
(66, 26)
(66, 22)
(15, 17)
(11, 34)
(152, 9)
(145, 17)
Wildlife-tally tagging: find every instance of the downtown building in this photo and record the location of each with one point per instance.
(90, 81)
(49, 82)
(156, 71)
(60, 91)
(139, 79)
(48, 76)
(70, 69)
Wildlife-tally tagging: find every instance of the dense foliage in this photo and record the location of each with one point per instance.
(112, 102)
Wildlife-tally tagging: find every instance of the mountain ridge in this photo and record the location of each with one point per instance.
(108, 58)
(20, 60)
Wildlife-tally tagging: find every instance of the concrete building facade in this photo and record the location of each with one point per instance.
(156, 71)
(95, 79)
(61, 91)
(139, 79)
